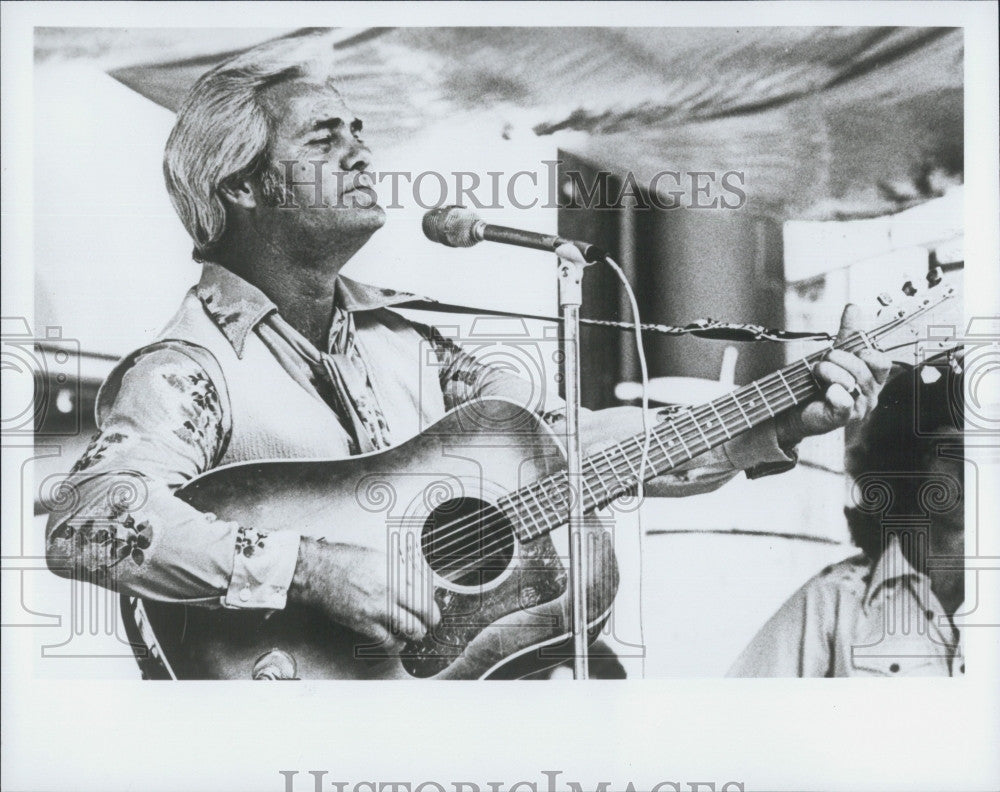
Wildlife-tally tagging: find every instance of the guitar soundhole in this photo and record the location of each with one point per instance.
(467, 542)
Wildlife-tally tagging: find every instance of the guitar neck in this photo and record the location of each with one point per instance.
(609, 474)
(544, 505)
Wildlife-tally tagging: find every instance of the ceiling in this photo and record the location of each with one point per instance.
(825, 123)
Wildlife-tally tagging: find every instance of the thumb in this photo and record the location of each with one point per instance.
(850, 321)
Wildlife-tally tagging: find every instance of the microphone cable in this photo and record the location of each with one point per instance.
(647, 429)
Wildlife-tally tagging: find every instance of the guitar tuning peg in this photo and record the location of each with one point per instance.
(884, 299)
(934, 276)
(909, 289)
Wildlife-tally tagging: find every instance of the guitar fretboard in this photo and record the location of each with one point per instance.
(609, 474)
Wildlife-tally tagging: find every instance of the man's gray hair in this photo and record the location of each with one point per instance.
(223, 132)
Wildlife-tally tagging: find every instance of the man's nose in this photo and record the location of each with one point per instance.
(358, 158)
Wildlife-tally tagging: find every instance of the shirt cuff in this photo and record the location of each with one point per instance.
(263, 569)
(757, 452)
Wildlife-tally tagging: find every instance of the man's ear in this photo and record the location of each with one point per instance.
(238, 192)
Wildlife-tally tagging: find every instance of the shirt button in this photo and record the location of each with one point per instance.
(245, 595)
(894, 667)
(961, 668)
(929, 614)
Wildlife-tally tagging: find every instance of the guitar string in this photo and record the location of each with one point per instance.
(717, 438)
(776, 387)
(775, 398)
(625, 459)
(771, 382)
(708, 419)
(494, 540)
(777, 395)
(462, 547)
(787, 384)
(543, 485)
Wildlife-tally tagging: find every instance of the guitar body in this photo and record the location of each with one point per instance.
(504, 599)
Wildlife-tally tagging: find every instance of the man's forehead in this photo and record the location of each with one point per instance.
(299, 104)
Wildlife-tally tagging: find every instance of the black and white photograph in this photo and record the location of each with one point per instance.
(556, 396)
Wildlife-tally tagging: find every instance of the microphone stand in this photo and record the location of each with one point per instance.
(571, 265)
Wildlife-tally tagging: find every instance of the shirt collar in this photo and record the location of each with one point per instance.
(237, 306)
(891, 570)
(354, 296)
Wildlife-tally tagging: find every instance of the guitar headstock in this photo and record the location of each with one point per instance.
(923, 320)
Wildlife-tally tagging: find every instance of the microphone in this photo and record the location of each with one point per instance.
(456, 226)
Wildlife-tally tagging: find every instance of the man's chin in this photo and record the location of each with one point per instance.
(346, 215)
(363, 207)
(372, 216)
(359, 221)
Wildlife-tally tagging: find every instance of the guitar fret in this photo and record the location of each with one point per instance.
(663, 448)
(563, 502)
(556, 509)
(600, 478)
(586, 486)
(763, 398)
(721, 422)
(553, 507)
(556, 492)
(809, 367)
(651, 469)
(742, 411)
(611, 463)
(787, 386)
(677, 432)
(628, 461)
(523, 517)
(530, 491)
(531, 512)
(697, 425)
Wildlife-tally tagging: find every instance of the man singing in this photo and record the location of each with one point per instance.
(275, 355)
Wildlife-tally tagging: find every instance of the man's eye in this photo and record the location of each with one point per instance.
(326, 141)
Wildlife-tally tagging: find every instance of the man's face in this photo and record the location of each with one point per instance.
(325, 170)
